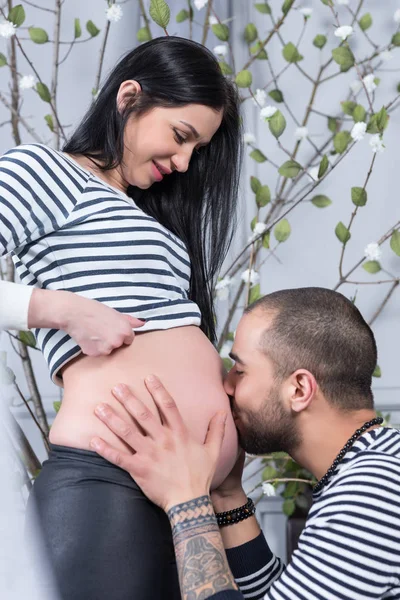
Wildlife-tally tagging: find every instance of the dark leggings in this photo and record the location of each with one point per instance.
(103, 538)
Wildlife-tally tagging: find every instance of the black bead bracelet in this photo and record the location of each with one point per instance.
(230, 517)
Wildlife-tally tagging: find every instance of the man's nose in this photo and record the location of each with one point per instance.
(228, 384)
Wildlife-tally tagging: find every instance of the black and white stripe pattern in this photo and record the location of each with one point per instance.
(350, 547)
(69, 230)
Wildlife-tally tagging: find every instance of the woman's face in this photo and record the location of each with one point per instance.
(163, 140)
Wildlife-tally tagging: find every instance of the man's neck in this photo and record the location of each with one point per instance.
(322, 439)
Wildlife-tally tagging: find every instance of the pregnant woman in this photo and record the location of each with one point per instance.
(131, 221)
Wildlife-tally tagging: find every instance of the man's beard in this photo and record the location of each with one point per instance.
(272, 429)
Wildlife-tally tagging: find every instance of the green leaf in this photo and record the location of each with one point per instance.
(344, 57)
(17, 15)
(288, 507)
(319, 41)
(49, 121)
(92, 29)
(263, 8)
(225, 68)
(327, 2)
(77, 29)
(182, 15)
(265, 239)
(382, 119)
(291, 54)
(290, 169)
(255, 184)
(38, 35)
(348, 107)
(372, 266)
(323, 167)
(253, 222)
(396, 39)
(3, 60)
(333, 124)
(263, 196)
(395, 242)
(244, 79)
(359, 113)
(221, 31)
(269, 473)
(342, 233)
(250, 33)
(258, 49)
(277, 124)
(290, 489)
(255, 293)
(43, 91)
(341, 141)
(282, 230)
(27, 338)
(286, 6)
(57, 405)
(372, 126)
(377, 372)
(258, 156)
(228, 364)
(359, 196)
(276, 95)
(230, 336)
(365, 22)
(143, 34)
(321, 201)
(160, 13)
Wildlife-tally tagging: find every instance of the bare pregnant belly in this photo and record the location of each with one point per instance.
(184, 360)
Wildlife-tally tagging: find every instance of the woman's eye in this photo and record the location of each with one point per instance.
(179, 138)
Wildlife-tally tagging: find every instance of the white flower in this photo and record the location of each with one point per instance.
(396, 16)
(343, 32)
(313, 173)
(114, 13)
(221, 50)
(268, 489)
(301, 133)
(7, 29)
(343, 2)
(260, 98)
(226, 349)
(199, 4)
(369, 83)
(250, 275)
(356, 86)
(7, 376)
(386, 55)
(267, 112)
(249, 138)
(259, 228)
(26, 82)
(306, 12)
(222, 288)
(358, 131)
(212, 20)
(376, 143)
(372, 251)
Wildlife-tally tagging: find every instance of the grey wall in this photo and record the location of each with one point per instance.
(310, 257)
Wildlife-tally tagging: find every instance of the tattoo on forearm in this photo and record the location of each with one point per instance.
(202, 565)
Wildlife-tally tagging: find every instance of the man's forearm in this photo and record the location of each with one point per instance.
(242, 532)
(202, 565)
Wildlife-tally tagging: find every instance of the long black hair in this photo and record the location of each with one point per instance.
(199, 206)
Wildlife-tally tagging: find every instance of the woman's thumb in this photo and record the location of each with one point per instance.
(135, 322)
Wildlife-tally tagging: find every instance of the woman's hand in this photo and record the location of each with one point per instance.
(168, 464)
(95, 327)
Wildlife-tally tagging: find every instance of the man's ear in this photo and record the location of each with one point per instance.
(127, 90)
(302, 388)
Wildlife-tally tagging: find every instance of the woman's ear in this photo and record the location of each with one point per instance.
(127, 90)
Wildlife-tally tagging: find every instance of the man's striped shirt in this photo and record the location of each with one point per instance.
(350, 546)
(66, 229)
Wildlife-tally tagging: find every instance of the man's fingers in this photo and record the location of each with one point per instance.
(138, 410)
(126, 431)
(116, 457)
(216, 431)
(165, 403)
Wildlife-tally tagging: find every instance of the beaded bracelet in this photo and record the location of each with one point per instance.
(230, 517)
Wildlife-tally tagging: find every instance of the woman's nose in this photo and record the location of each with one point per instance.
(181, 162)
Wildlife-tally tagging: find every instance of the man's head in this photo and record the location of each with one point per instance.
(291, 348)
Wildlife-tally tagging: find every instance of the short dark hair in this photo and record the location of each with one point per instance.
(322, 331)
(199, 206)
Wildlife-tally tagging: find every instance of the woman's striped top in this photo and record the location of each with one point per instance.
(350, 546)
(66, 229)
